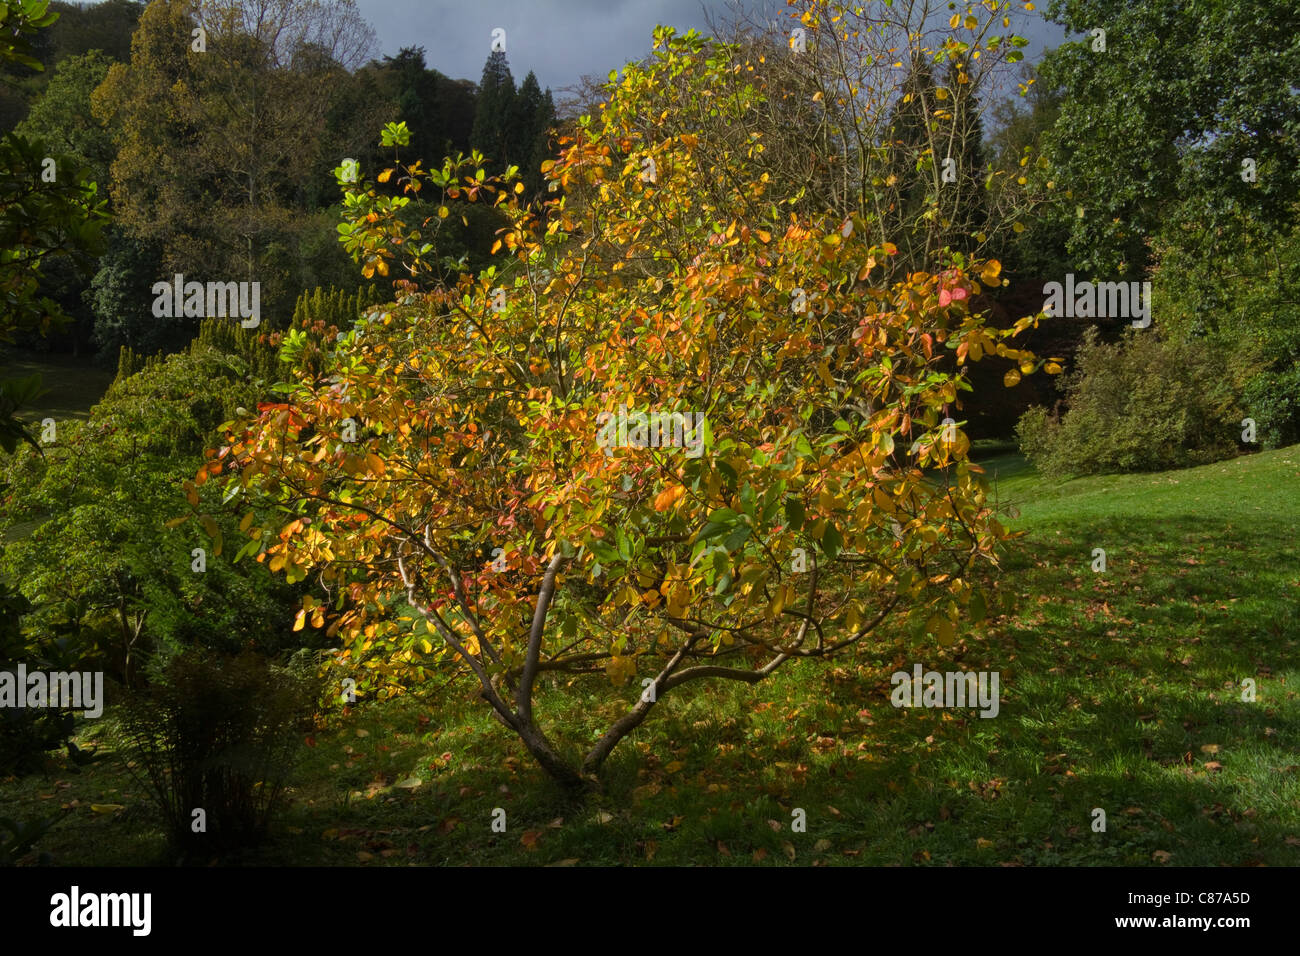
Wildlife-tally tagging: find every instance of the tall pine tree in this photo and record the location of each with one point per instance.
(418, 103)
(534, 117)
(495, 112)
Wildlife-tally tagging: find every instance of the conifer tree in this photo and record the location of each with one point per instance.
(495, 112)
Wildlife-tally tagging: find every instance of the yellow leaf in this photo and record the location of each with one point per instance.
(519, 187)
(443, 212)
(942, 628)
(1012, 378)
(386, 175)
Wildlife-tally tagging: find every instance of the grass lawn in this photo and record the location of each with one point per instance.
(1120, 691)
(73, 386)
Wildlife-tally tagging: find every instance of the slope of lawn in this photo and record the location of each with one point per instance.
(1120, 691)
(72, 388)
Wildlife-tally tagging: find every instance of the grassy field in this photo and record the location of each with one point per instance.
(1120, 691)
(73, 386)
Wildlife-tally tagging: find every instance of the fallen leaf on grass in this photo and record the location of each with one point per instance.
(1161, 856)
(530, 838)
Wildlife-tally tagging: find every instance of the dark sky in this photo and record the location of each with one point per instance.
(560, 39)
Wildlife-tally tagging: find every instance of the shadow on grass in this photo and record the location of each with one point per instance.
(1120, 692)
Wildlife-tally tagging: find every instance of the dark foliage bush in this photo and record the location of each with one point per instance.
(27, 734)
(218, 734)
(1141, 404)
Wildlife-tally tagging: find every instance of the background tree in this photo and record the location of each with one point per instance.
(48, 211)
(62, 117)
(121, 299)
(417, 102)
(534, 121)
(78, 29)
(226, 130)
(1165, 118)
(494, 133)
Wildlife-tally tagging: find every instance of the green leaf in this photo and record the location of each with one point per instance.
(832, 541)
(794, 513)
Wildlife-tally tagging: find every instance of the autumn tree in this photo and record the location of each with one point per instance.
(220, 107)
(864, 104)
(570, 468)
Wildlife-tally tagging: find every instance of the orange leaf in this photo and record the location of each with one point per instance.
(665, 499)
